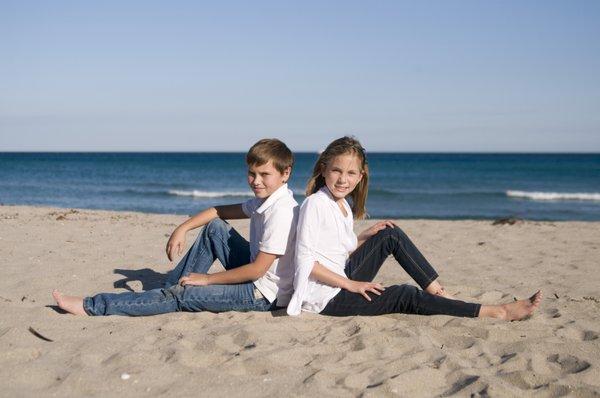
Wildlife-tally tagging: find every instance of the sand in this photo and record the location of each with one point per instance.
(82, 252)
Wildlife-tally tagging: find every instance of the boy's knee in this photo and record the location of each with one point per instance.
(175, 291)
(216, 224)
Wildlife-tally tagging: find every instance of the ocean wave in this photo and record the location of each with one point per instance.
(209, 194)
(554, 195)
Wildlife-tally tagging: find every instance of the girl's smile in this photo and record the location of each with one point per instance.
(342, 174)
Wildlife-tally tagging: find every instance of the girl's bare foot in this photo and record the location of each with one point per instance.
(437, 289)
(516, 311)
(71, 304)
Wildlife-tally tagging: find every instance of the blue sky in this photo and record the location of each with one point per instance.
(402, 76)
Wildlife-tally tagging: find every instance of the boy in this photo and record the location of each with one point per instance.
(258, 274)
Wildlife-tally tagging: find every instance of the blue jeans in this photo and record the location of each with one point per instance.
(218, 240)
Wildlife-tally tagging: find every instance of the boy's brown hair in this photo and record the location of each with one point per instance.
(270, 149)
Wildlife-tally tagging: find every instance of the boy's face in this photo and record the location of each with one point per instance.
(266, 179)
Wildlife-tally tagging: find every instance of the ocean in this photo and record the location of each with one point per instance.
(403, 185)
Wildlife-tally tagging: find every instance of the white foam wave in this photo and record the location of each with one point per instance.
(554, 195)
(209, 194)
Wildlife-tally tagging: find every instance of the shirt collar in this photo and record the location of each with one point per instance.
(327, 192)
(279, 192)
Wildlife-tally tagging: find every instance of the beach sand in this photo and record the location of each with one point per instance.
(82, 252)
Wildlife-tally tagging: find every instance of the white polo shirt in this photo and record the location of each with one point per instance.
(273, 230)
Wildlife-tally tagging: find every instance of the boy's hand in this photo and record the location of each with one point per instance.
(367, 233)
(364, 287)
(175, 244)
(194, 279)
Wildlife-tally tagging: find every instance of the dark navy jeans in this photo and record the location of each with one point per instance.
(365, 262)
(218, 240)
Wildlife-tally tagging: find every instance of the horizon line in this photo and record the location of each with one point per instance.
(311, 152)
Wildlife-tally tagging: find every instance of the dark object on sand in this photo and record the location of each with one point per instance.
(39, 336)
(507, 220)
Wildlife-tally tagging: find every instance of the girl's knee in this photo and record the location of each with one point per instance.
(392, 233)
(407, 298)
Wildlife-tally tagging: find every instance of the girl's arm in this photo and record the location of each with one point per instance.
(176, 242)
(328, 277)
(373, 229)
(245, 273)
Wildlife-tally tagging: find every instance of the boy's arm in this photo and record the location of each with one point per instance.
(373, 229)
(328, 277)
(176, 242)
(245, 273)
(227, 212)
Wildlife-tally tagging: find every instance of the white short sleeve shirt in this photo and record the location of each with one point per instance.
(273, 230)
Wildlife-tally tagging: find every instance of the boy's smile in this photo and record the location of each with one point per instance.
(266, 179)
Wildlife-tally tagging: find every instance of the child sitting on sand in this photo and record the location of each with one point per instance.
(258, 274)
(335, 268)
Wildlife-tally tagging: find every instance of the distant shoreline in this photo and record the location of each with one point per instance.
(75, 210)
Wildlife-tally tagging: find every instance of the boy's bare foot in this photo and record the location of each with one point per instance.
(71, 304)
(516, 311)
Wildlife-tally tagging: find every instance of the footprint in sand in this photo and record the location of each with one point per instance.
(553, 313)
(576, 334)
(460, 342)
(569, 364)
(507, 357)
(356, 343)
(464, 382)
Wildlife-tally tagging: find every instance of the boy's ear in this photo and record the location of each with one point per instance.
(286, 173)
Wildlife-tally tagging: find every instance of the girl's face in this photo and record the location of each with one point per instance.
(342, 174)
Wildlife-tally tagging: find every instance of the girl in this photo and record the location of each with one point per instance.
(331, 281)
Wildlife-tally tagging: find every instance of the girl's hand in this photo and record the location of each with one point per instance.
(372, 230)
(364, 287)
(175, 244)
(194, 279)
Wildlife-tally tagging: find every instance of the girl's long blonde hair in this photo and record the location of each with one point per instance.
(343, 146)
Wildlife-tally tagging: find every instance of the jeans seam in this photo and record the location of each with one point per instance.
(429, 279)
(360, 264)
(202, 250)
